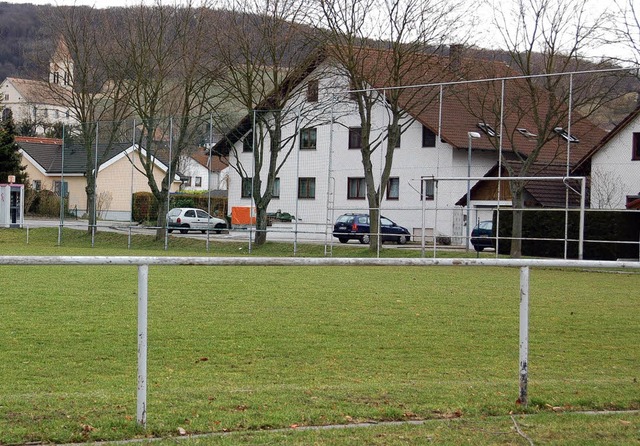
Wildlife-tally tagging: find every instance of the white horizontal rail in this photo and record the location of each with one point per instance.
(323, 261)
(143, 264)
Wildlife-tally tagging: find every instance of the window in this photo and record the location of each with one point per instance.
(6, 97)
(312, 91)
(635, 155)
(186, 181)
(356, 188)
(565, 135)
(526, 133)
(56, 77)
(393, 189)
(355, 138)
(60, 188)
(247, 143)
(308, 139)
(427, 189)
(246, 188)
(198, 182)
(306, 188)
(428, 137)
(6, 113)
(487, 129)
(190, 213)
(276, 188)
(36, 185)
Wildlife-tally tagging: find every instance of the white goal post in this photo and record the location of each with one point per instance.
(564, 179)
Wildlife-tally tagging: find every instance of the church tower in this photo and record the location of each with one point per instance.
(61, 66)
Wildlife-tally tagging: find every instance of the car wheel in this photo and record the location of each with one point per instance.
(402, 240)
(365, 239)
(184, 230)
(169, 231)
(203, 231)
(479, 248)
(343, 239)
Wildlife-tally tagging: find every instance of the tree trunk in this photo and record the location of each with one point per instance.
(161, 224)
(374, 220)
(90, 190)
(261, 226)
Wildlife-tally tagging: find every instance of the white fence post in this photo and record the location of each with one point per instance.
(524, 334)
(143, 288)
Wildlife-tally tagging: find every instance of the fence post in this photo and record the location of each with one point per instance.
(524, 335)
(143, 286)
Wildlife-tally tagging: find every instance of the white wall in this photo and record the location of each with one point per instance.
(613, 172)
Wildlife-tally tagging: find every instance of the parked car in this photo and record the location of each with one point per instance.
(192, 219)
(482, 236)
(356, 226)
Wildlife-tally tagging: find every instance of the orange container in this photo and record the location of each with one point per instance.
(241, 215)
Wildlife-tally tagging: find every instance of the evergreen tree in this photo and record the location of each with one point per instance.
(9, 156)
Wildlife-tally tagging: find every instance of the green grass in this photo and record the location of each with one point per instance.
(246, 349)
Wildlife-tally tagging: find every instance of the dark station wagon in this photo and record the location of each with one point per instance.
(357, 227)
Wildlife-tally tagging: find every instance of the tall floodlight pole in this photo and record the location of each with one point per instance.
(472, 135)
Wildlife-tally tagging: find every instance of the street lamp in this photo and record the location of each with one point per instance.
(472, 135)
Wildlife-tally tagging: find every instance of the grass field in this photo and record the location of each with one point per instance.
(244, 350)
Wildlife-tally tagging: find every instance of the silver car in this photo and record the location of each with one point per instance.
(192, 219)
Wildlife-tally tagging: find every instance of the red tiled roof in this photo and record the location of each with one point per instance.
(38, 140)
(466, 100)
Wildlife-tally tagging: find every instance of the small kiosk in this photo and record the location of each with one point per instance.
(11, 204)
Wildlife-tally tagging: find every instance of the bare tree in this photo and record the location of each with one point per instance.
(167, 62)
(265, 55)
(543, 109)
(83, 79)
(626, 30)
(606, 189)
(382, 48)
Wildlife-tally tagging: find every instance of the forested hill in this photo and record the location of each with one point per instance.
(20, 29)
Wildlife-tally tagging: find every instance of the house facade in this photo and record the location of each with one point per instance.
(443, 144)
(615, 166)
(199, 172)
(119, 176)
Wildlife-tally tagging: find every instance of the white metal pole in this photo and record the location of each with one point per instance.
(143, 288)
(95, 187)
(468, 194)
(524, 334)
(209, 179)
(583, 192)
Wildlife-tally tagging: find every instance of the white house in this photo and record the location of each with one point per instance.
(615, 166)
(42, 103)
(323, 175)
(197, 175)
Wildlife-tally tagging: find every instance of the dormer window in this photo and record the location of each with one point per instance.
(487, 129)
(564, 134)
(526, 133)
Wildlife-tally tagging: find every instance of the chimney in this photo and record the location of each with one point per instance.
(455, 55)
